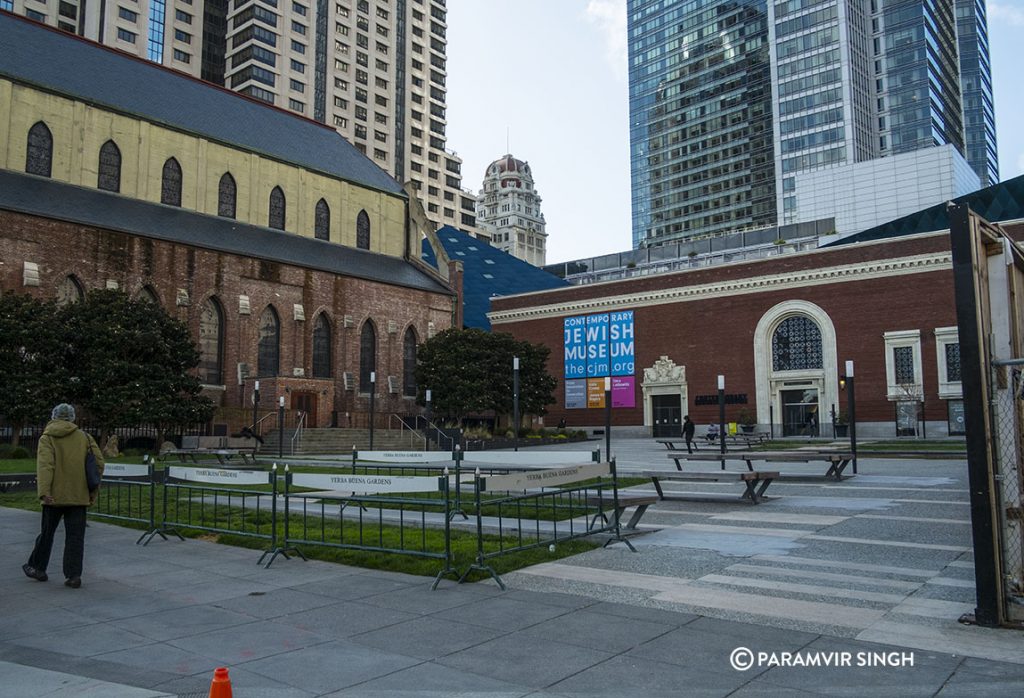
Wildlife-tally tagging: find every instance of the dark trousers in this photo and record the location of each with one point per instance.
(74, 539)
(689, 443)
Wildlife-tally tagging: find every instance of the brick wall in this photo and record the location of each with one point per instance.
(95, 257)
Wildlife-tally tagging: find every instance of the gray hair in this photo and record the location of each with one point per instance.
(63, 411)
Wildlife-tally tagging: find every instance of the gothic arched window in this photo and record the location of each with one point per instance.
(69, 291)
(268, 351)
(363, 231)
(367, 356)
(409, 363)
(211, 343)
(276, 219)
(322, 347)
(109, 177)
(170, 184)
(796, 344)
(147, 294)
(39, 153)
(322, 223)
(226, 194)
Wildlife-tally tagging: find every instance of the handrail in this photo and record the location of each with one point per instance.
(258, 428)
(413, 433)
(440, 435)
(297, 436)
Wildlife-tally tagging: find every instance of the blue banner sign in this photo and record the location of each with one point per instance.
(597, 346)
(620, 343)
(575, 347)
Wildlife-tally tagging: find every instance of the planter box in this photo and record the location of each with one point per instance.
(491, 444)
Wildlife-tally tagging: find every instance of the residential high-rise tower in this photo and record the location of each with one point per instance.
(374, 70)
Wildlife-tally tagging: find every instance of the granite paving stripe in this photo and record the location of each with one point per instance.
(932, 608)
(841, 579)
(782, 518)
(863, 567)
(920, 519)
(896, 544)
(784, 587)
(826, 614)
(950, 582)
(630, 580)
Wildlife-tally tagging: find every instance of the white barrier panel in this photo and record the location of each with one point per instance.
(526, 457)
(544, 478)
(219, 477)
(405, 456)
(125, 470)
(367, 484)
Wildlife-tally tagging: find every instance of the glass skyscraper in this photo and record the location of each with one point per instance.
(731, 101)
(700, 117)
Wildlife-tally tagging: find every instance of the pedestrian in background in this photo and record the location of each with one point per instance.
(688, 428)
(64, 493)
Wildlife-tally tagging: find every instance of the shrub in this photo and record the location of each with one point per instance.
(20, 452)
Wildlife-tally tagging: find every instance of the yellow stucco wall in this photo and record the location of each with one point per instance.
(80, 129)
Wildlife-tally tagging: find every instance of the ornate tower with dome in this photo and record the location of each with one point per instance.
(508, 211)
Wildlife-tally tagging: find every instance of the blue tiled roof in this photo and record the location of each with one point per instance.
(1000, 202)
(55, 61)
(487, 272)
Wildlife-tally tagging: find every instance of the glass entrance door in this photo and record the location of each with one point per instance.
(799, 412)
(668, 416)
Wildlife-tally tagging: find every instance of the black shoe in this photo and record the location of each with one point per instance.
(73, 582)
(35, 574)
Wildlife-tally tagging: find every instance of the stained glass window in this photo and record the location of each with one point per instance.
(796, 345)
(363, 231)
(953, 362)
(39, 156)
(276, 209)
(367, 356)
(409, 363)
(322, 224)
(69, 291)
(170, 186)
(211, 340)
(903, 359)
(268, 351)
(226, 194)
(322, 347)
(109, 177)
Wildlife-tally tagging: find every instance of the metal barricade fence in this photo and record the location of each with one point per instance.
(1007, 390)
(128, 493)
(547, 512)
(211, 499)
(368, 513)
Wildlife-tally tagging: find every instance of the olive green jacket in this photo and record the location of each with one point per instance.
(60, 464)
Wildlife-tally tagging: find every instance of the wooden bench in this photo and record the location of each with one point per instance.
(755, 482)
(670, 444)
(837, 460)
(640, 501)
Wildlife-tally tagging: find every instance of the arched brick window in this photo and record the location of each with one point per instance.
(269, 349)
(363, 231)
(322, 347)
(69, 291)
(170, 185)
(409, 363)
(367, 355)
(322, 224)
(211, 343)
(226, 195)
(39, 154)
(109, 177)
(276, 218)
(796, 344)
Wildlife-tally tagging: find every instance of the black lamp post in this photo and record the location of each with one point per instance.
(373, 395)
(255, 404)
(426, 430)
(515, 402)
(852, 412)
(280, 428)
(721, 414)
(608, 419)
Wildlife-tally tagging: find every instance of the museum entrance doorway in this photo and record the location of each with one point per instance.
(800, 416)
(668, 416)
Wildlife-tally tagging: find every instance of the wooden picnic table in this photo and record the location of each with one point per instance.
(755, 482)
(640, 501)
(837, 460)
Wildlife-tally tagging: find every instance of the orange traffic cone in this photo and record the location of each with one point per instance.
(220, 687)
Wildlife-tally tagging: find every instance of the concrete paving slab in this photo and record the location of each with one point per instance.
(427, 637)
(343, 619)
(644, 677)
(430, 680)
(21, 680)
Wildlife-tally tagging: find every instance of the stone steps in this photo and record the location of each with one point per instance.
(321, 441)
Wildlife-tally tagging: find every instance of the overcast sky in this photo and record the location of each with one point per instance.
(546, 80)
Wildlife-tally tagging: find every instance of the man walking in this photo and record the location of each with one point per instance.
(64, 493)
(688, 429)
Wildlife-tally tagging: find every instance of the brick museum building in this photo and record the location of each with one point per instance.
(779, 329)
(292, 258)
